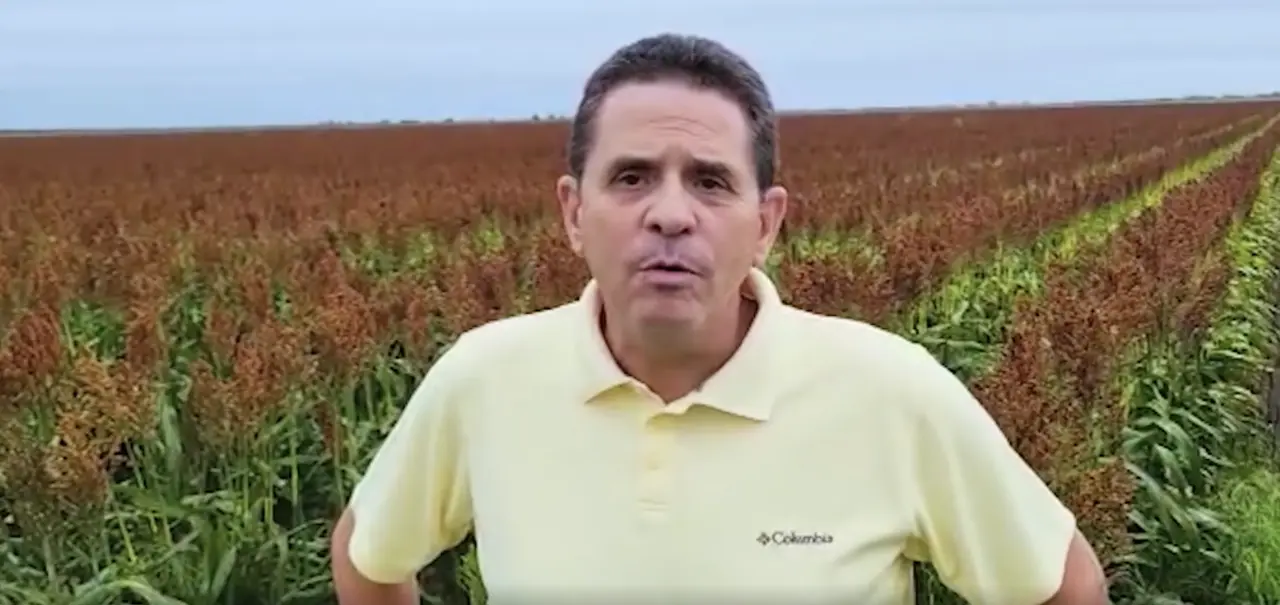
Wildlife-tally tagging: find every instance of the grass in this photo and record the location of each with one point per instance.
(1195, 420)
(1248, 504)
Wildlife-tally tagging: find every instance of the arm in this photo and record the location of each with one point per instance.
(992, 529)
(1083, 581)
(351, 586)
(414, 501)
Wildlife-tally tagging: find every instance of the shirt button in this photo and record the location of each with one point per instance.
(657, 442)
(656, 451)
(654, 454)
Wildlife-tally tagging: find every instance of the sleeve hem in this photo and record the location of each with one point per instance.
(372, 572)
(1056, 565)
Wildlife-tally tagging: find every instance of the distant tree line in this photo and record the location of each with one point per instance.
(551, 117)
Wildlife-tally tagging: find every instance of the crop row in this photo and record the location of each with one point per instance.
(1132, 380)
(1058, 389)
(877, 196)
(212, 393)
(86, 223)
(1054, 390)
(915, 254)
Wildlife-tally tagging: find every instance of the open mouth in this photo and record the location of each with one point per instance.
(670, 268)
(669, 275)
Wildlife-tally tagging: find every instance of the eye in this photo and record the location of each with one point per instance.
(710, 183)
(629, 179)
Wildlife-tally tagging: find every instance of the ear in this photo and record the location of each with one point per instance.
(570, 196)
(773, 208)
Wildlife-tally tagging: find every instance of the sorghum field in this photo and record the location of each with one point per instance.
(203, 337)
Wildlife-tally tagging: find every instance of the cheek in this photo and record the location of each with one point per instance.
(610, 222)
(738, 234)
(598, 226)
(604, 240)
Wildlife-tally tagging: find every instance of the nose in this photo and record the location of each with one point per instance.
(671, 211)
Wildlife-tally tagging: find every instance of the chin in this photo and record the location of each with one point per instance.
(684, 315)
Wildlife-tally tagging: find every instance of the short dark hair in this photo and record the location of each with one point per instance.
(702, 63)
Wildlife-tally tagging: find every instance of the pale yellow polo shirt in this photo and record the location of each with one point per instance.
(824, 457)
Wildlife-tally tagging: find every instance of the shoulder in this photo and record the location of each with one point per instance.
(931, 411)
(860, 355)
(492, 346)
(898, 377)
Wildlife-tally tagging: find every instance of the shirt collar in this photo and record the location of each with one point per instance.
(745, 386)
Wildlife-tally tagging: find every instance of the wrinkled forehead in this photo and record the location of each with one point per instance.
(671, 123)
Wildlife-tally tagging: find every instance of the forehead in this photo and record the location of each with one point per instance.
(671, 119)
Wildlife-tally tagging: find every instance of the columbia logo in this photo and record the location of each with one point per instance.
(791, 538)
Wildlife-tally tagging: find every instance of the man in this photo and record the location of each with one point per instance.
(679, 435)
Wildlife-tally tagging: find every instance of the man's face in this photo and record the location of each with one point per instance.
(668, 214)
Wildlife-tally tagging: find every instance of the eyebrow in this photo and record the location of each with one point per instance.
(698, 165)
(713, 168)
(622, 163)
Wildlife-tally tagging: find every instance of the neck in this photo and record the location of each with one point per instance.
(674, 367)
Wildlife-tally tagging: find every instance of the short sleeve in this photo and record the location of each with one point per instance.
(990, 526)
(414, 500)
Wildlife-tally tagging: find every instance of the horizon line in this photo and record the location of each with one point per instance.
(555, 118)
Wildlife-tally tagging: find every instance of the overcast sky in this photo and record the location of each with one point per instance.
(156, 63)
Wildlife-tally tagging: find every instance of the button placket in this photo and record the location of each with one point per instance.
(657, 450)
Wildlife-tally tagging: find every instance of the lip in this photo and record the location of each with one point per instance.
(669, 266)
(665, 279)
